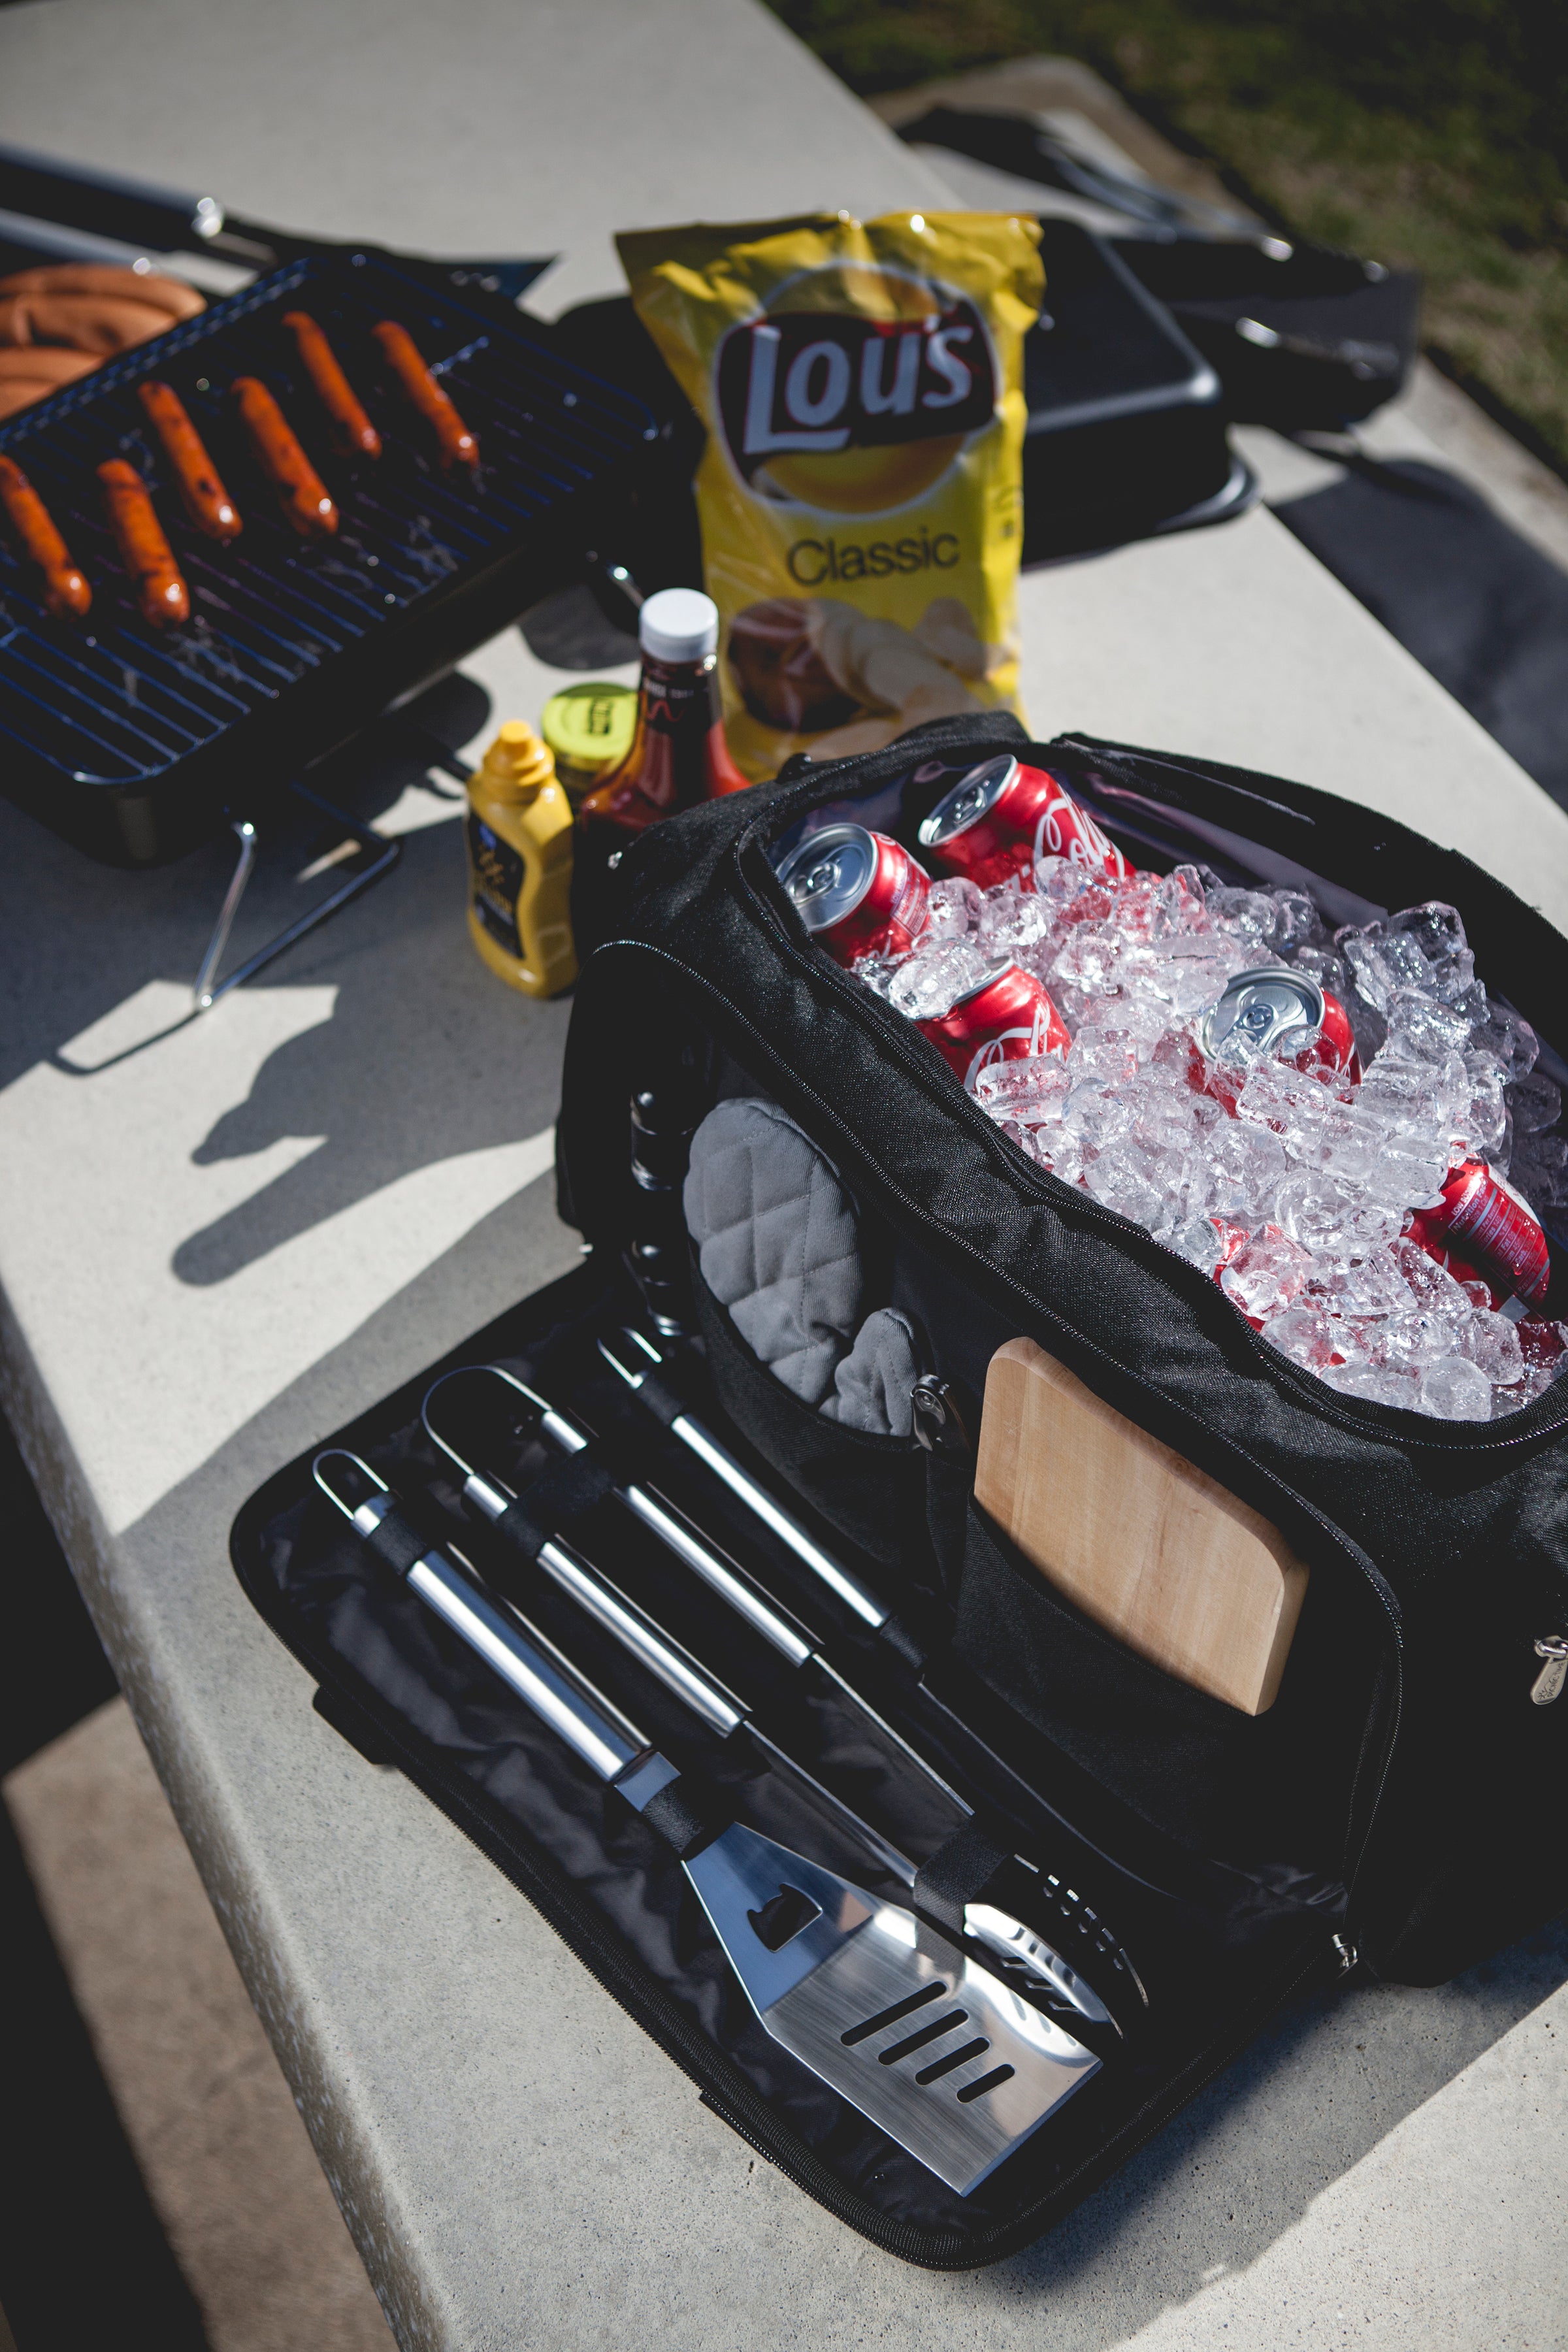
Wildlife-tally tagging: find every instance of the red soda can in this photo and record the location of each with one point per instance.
(1005, 1017)
(1482, 1226)
(1265, 1011)
(1002, 817)
(858, 893)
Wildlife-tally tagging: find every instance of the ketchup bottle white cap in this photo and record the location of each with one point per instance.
(679, 625)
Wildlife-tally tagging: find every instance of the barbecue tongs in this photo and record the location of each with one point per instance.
(919, 2038)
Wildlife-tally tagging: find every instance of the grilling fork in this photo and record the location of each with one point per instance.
(922, 2041)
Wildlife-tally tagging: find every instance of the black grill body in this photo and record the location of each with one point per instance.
(134, 742)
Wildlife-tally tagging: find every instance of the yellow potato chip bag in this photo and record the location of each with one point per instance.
(860, 494)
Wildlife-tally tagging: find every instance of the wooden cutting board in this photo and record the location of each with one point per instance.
(1184, 1572)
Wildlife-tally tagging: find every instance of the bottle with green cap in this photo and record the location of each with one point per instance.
(589, 727)
(519, 830)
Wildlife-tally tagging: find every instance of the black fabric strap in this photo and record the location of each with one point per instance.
(958, 1873)
(902, 1642)
(557, 1498)
(661, 1399)
(397, 1543)
(684, 1816)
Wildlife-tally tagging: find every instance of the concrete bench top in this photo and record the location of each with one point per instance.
(221, 1236)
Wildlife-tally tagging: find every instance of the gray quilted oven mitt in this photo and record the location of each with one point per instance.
(778, 1246)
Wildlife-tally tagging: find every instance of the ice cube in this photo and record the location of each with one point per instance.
(1438, 932)
(926, 986)
(1422, 1028)
(1095, 1113)
(1432, 1286)
(1535, 1102)
(953, 910)
(1508, 1039)
(1246, 1166)
(1320, 963)
(1179, 909)
(1292, 1105)
(1121, 1179)
(1107, 1054)
(1012, 921)
(1456, 1390)
(1383, 961)
(1246, 914)
(1492, 1342)
(1028, 1092)
(1087, 958)
(1306, 1334)
(878, 971)
(1374, 1384)
(1296, 924)
(1265, 1276)
(1327, 1217)
(1483, 1126)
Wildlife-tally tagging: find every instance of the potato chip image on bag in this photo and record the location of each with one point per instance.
(860, 494)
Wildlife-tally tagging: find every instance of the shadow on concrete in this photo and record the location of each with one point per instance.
(425, 1056)
(1304, 2104)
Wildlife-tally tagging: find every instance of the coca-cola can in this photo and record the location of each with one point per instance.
(858, 893)
(1480, 1226)
(1268, 1011)
(1001, 818)
(1005, 1017)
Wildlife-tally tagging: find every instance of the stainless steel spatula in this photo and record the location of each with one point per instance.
(927, 2045)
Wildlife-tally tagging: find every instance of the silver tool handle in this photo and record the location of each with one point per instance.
(608, 1744)
(637, 1635)
(715, 1572)
(621, 1618)
(694, 1434)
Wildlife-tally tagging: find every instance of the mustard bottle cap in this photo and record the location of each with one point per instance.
(590, 726)
(517, 761)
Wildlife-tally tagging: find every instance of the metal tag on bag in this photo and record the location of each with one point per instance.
(1548, 1683)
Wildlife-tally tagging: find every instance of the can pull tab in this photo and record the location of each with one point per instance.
(1548, 1683)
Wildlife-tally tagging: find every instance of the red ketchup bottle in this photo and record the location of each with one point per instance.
(679, 755)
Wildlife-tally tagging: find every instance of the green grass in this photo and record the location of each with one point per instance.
(1429, 132)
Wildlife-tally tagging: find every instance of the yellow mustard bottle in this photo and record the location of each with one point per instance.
(519, 830)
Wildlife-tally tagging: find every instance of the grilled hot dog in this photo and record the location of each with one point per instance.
(161, 591)
(356, 435)
(207, 503)
(65, 591)
(32, 374)
(305, 500)
(457, 443)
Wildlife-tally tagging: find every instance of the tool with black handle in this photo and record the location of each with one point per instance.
(916, 2035)
(1032, 1964)
(641, 1365)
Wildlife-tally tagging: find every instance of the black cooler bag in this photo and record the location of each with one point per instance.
(1395, 1807)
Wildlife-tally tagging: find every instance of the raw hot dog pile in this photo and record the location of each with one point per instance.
(161, 595)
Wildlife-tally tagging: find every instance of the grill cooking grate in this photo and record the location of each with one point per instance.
(112, 708)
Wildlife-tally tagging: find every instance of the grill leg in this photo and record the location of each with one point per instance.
(383, 857)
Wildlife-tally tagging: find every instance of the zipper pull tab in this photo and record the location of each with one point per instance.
(1548, 1683)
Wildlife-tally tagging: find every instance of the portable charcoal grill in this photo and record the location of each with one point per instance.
(135, 743)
